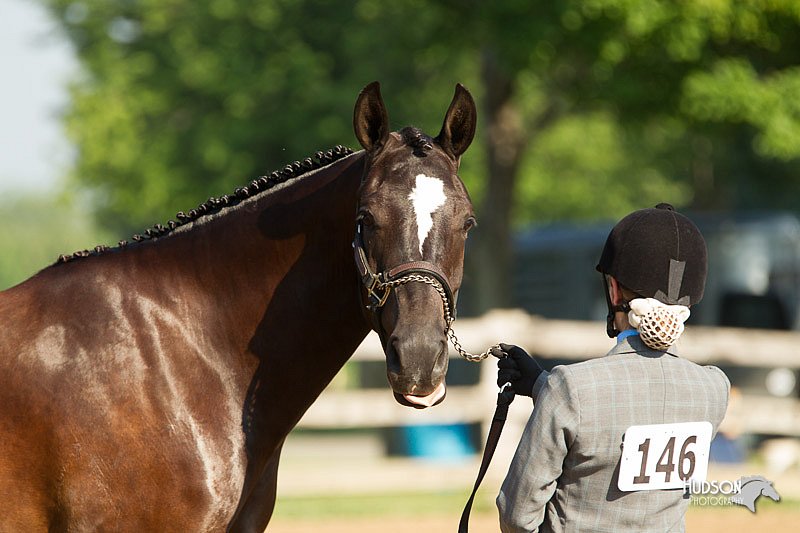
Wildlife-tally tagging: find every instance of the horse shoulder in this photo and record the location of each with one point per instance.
(91, 387)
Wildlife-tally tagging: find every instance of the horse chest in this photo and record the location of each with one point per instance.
(221, 469)
(208, 441)
(147, 477)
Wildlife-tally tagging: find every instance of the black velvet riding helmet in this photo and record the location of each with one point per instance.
(657, 253)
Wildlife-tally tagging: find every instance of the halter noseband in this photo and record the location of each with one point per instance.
(379, 285)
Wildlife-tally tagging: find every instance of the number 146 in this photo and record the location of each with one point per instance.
(666, 462)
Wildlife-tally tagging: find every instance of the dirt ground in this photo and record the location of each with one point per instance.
(703, 521)
(343, 506)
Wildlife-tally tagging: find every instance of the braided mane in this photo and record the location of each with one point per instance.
(417, 139)
(215, 205)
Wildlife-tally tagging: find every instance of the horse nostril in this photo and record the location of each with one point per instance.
(415, 357)
(443, 350)
(393, 365)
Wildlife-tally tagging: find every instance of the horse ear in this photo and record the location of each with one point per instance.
(370, 120)
(458, 129)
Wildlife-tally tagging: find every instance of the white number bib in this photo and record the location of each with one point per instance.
(664, 456)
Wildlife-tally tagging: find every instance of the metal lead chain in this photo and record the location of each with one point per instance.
(448, 318)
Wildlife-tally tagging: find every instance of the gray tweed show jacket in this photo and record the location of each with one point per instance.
(563, 477)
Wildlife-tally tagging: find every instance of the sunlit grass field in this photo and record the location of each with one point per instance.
(440, 511)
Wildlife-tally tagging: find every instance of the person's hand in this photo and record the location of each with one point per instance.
(515, 366)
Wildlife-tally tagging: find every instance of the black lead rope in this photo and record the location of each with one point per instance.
(504, 399)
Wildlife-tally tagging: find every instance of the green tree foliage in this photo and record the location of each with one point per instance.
(636, 76)
(182, 100)
(556, 185)
(588, 108)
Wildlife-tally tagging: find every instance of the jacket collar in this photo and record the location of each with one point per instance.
(634, 344)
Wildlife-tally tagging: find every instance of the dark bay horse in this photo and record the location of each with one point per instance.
(150, 386)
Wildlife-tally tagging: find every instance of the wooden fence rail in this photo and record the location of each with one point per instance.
(568, 341)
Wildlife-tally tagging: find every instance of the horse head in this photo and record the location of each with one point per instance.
(751, 488)
(769, 491)
(413, 217)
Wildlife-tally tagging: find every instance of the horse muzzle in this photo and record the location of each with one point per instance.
(416, 369)
(423, 402)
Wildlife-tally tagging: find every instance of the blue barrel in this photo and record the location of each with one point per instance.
(451, 442)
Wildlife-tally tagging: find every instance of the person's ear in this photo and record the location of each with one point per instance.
(615, 291)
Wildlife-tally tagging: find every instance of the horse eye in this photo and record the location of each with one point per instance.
(470, 223)
(365, 217)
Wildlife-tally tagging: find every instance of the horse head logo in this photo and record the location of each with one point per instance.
(752, 488)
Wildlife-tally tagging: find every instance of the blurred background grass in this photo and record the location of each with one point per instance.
(441, 512)
(38, 227)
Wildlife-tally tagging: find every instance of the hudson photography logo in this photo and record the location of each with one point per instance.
(745, 492)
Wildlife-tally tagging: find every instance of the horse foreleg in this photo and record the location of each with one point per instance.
(255, 512)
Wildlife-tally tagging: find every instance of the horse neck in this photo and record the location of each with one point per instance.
(278, 270)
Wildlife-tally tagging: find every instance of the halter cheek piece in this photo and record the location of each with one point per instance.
(379, 285)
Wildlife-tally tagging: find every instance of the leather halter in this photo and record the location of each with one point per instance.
(379, 285)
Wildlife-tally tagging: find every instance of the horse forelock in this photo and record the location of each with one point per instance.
(411, 189)
(214, 205)
(418, 140)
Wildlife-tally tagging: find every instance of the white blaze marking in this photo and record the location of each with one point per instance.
(427, 196)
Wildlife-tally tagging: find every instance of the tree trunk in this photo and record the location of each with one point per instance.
(505, 140)
(508, 134)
